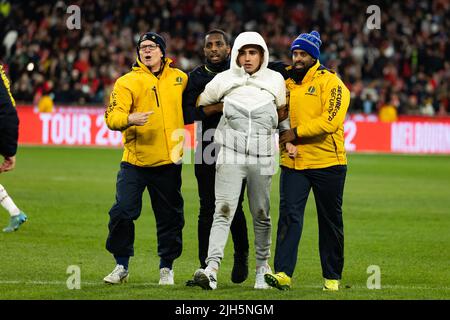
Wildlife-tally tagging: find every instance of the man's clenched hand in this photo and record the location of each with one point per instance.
(138, 118)
(8, 164)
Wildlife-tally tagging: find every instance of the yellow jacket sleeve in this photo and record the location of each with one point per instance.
(335, 101)
(120, 101)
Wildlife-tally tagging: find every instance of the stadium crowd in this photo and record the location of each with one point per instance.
(403, 64)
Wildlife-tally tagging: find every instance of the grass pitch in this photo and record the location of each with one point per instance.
(396, 217)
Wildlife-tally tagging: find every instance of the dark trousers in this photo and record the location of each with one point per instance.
(328, 187)
(164, 187)
(206, 175)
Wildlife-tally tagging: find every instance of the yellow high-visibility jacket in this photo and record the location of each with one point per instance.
(160, 140)
(317, 109)
(9, 121)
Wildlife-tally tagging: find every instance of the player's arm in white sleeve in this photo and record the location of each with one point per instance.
(211, 94)
(210, 99)
(280, 101)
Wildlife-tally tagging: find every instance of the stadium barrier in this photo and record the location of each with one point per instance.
(85, 126)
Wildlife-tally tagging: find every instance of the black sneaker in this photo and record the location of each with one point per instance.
(240, 269)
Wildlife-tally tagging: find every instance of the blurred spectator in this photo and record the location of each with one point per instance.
(368, 103)
(427, 109)
(45, 97)
(412, 105)
(45, 104)
(387, 113)
(409, 54)
(388, 109)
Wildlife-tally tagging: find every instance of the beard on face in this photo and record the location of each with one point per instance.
(300, 69)
(299, 65)
(302, 65)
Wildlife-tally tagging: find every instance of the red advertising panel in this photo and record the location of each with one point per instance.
(85, 126)
(80, 126)
(410, 134)
(367, 136)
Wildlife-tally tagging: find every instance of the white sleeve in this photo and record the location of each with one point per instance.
(212, 93)
(281, 92)
(281, 101)
(284, 125)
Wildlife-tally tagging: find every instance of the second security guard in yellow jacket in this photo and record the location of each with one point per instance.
(317, 109)
(157, 142)
(318, 103)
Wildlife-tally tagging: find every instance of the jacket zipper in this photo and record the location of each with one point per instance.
(156, 95)
(164, 125)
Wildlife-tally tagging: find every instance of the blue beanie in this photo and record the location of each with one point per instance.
(156, 38)
(309, 42)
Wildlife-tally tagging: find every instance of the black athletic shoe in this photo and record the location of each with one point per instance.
(240, 269)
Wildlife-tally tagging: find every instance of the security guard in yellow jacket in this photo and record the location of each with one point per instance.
(146, 105)
(318, 102)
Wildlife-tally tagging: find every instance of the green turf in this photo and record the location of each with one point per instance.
(396, 216)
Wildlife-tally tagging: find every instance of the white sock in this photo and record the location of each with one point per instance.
(261, 263)
(212, 267)
(8, 203)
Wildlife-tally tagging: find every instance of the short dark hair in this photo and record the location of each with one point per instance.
(226, 37)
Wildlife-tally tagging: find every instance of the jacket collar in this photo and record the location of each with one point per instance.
(310, 74)
(138, 65)
(217, 67)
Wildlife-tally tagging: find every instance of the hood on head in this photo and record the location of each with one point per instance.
(245, 38)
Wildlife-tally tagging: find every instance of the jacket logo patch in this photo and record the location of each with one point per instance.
(179, 81)
(311, 91)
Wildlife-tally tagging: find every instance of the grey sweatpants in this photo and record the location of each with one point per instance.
(229, 177)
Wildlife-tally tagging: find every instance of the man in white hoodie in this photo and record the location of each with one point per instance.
(251, 95)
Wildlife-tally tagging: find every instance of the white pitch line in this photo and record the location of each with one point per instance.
(58, 283)
(63, 283)
(90, 283)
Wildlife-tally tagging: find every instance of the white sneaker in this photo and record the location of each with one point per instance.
(118, 275)
(206, 279)
(260, 283)
(166, 276)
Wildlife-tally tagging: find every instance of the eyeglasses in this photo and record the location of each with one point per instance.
(151, 47)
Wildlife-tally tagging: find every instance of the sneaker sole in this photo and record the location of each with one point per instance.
(273, 282)
(262, 287)
(329, 289)
(123, 280)
(202, 280)
(16, 228)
